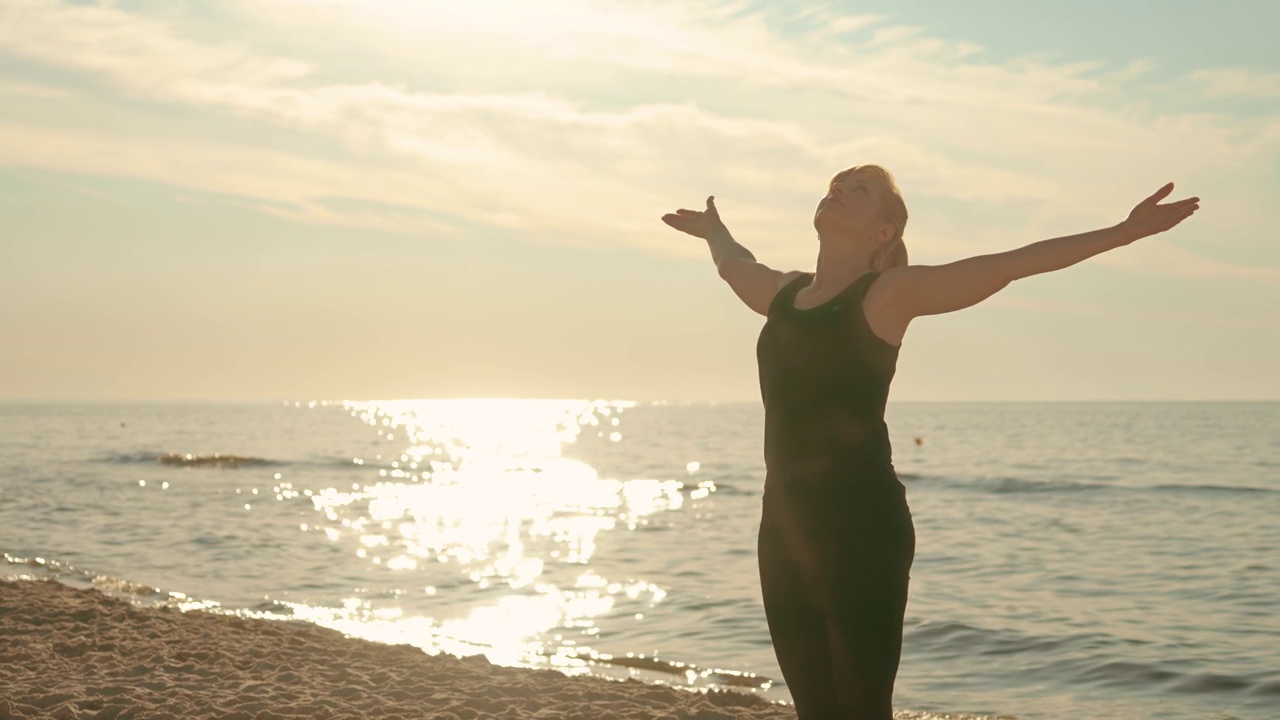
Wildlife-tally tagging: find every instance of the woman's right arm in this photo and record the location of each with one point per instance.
(755, 283)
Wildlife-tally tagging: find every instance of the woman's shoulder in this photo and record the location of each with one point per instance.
(787, 282)
(790, 278)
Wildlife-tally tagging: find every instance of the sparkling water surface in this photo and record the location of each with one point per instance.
(1073, 559)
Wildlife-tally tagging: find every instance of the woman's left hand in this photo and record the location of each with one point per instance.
(698, 223)
(1149, 217)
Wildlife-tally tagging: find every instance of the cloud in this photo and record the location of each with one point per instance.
(1074, 308)
(131, 48)
(1237, 82)
(26, 90)
(1163, 257)
(636, 107)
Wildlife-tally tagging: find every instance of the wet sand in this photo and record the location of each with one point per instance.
(71, 653)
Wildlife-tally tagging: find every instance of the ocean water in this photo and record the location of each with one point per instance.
(1074, 560)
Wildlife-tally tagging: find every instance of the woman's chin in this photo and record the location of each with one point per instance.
(825, 223)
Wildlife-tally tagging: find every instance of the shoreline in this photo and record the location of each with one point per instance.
(73, 653)
(77, 653)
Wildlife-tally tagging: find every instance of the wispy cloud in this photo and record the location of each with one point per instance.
(636, 107)
(19, 90)
(1237, 82)
(1163, 257)
(131, 48)
(1076, 308)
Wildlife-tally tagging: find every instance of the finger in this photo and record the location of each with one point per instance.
(1160, 194)
(688, 213)
(1175, 218)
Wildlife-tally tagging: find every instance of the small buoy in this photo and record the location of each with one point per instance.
(919, 440)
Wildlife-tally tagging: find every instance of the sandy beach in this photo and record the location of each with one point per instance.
(71, 653)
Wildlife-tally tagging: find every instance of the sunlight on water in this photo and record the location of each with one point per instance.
(483, 496)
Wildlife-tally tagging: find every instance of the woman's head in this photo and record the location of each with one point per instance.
(870, 207)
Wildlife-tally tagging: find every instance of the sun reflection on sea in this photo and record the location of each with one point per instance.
(482, 501)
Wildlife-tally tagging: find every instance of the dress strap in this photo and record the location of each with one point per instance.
(787, 293)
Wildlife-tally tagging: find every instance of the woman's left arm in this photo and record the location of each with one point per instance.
(916, 290)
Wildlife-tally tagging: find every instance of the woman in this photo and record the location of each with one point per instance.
(836, 539)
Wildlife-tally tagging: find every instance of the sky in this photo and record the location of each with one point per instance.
(417, 198)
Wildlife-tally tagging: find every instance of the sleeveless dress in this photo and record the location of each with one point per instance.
(836, 538)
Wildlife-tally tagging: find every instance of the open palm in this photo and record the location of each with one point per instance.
(697, 223)
(1150, 217)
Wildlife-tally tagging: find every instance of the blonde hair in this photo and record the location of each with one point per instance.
(893, 210)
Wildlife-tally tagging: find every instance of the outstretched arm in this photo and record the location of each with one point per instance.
(753, 282)
(917, 290)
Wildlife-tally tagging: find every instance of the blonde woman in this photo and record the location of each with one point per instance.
(836, 539)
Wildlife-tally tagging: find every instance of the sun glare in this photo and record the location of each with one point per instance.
(483, 495)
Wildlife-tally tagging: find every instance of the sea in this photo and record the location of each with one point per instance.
(1074, 560)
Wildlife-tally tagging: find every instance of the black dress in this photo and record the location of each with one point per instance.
(836, 538)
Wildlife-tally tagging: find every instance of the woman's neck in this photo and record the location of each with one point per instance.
(839, 264)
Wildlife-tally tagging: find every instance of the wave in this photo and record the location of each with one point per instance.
(233, 461)
(1018, 485)
(1121, 673)
(1212, 488)
(19, 568)
(191, 460)
(1006, 485)
(958, 637)
(1003, 485)
(679, 669)
(216, 460)
(1087, 658)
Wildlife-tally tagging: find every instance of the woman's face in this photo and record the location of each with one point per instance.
(851, 206)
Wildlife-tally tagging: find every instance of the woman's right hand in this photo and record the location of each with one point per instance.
(1149, 217)
(703, 224)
